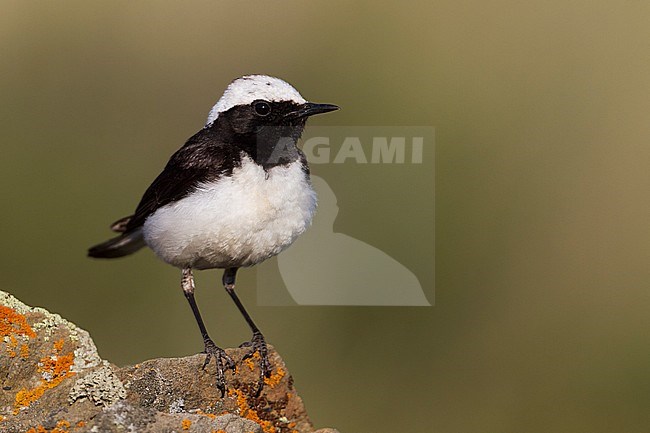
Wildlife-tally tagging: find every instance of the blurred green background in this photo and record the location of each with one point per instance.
(542, 178)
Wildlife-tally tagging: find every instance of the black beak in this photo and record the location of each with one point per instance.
(309, 109)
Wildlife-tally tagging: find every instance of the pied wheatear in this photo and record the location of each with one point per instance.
(237, 193)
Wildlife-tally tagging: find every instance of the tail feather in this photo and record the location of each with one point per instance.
(120, 246)
(120, 225)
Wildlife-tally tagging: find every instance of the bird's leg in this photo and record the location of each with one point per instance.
(257, 343)
(222, 359)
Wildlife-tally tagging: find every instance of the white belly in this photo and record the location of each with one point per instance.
(236, 221)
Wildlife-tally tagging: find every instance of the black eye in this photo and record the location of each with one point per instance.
(262, 108)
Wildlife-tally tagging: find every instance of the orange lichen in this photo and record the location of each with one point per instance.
(11, 346)
(24, 351)
(247, 412)
(275, 378)
(26, 397)
(209, 415)
(249, 362)
(13, 323)
(186, 424)
(61, 427)
(54, 369)
(57, 366)
(81, 424)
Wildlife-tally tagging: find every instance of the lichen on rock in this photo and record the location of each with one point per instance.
(101, 386)
(53, 380)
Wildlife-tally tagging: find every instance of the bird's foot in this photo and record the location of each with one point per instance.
(222, 360)
(258, 346)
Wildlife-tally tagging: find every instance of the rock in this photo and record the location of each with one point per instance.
(101, 386)
(53, 381)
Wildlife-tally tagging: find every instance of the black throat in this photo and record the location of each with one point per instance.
(270, 141)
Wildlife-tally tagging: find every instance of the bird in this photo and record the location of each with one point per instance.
(235, 194)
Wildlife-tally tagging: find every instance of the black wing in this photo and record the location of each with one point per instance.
(201, 159)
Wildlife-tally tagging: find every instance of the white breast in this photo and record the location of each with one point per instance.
(235, 221)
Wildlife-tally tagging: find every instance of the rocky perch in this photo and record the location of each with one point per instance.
(53, 381)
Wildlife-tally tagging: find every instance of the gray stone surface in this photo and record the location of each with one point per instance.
(53, 381)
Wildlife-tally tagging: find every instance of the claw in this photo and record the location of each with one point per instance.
(258, 345)
(222, 360)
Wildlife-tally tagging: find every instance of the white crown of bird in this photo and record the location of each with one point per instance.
(249, 88)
